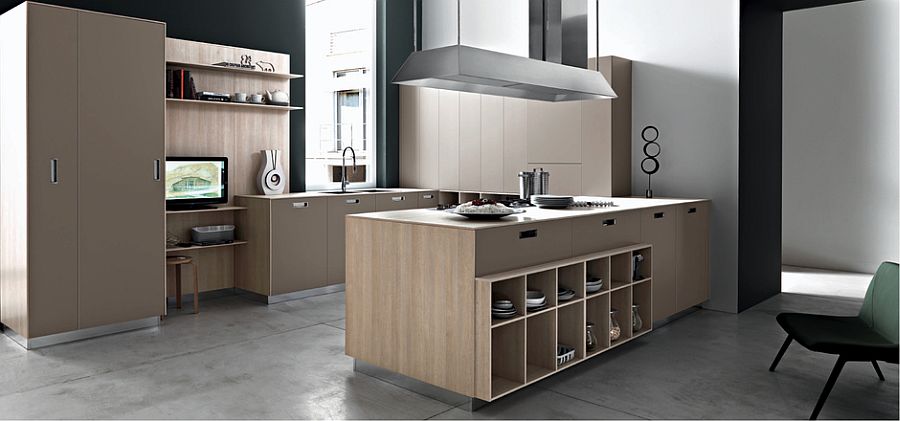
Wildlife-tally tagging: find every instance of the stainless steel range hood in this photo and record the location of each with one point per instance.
(557, 35)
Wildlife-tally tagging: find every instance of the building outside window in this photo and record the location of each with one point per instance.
(340, 58)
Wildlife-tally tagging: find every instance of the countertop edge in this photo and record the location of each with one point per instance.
(395, 216)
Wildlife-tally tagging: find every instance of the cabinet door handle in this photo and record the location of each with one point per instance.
(659, 215)
(351, 201)
(300, 205)
(156, 173)
(54, 171)
(428, 196)
(528, 234)
(609, 222)
(398, 198)
(692, 210)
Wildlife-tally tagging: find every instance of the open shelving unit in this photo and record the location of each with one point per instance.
(213, 67)
(234, 104)
(523, 348)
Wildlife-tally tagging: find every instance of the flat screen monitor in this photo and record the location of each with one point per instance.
(196, 181)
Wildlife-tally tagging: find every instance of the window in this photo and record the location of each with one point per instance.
(340, 58)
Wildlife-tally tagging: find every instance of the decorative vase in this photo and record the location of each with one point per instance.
(591, 339)
(636, 322)
(271, 174)
(614, 330)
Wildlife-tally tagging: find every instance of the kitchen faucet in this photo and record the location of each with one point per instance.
(344, 180)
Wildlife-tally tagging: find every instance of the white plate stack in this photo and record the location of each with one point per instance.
(535, 300)
(552, 201)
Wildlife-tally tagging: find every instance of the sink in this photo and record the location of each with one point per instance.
(376, 190)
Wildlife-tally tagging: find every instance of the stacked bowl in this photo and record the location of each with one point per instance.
(503, 309)
(593, 285)
(535, 300)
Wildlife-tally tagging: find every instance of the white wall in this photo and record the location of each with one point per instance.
(685, 82)
(840, 175)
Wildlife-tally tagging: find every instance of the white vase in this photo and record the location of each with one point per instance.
(271, 174)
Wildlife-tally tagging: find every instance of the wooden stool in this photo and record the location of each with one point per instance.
(177, 261)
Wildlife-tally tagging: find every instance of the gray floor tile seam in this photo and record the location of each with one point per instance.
(443, 412)
(162, 359)
(594, 403)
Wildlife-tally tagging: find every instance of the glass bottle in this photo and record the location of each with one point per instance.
(614, 330)
(590, 338)
(636, 322)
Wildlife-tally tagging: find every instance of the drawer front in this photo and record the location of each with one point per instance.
(427, 199)
(692, 254)
(603, 232)
(338, 209)
(299, 244)
(658, 229)
(396, 201)
(502, 249)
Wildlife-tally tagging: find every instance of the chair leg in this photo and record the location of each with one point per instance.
(178, 287)
(784, 348)
(828, 385)
(878, 370)
(196, 290)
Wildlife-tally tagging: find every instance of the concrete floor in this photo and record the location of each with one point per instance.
(241, 359)
(828, 283)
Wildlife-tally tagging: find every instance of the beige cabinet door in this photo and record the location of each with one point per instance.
(52, 146)
(299, 244)
(396, 201)
(658, 229)
(605, 231)
(338, 208)
(121, 144)
(469, 141)
(692, 265)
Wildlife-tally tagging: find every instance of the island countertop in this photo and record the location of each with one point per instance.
(439, 218)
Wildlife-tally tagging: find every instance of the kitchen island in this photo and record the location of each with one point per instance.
(420, 286)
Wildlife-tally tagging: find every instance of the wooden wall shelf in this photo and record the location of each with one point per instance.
(273, 75)
(232, 244)
(218, 209)
(235, 104)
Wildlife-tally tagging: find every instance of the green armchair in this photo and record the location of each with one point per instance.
(871, 336)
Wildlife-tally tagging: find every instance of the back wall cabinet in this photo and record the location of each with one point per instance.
(458, 141)
(81, 144)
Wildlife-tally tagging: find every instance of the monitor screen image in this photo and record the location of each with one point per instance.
(195, 180)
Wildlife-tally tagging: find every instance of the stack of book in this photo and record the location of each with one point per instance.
(180, 84)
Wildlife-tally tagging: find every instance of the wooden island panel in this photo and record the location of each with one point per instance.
(410, 292)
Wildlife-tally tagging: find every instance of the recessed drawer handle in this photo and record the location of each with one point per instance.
(351, 201)
(609, 222)
(528, 234)
(692, 210)
(659, 215)
(300, 205)
(428, 196)
(54, 171)
(398, 198)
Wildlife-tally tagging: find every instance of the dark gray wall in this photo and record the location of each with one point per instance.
(271, 25)
(760, 146)
(759, 153)
(394, 42)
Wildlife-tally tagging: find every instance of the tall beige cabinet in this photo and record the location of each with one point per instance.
(82, 139)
